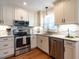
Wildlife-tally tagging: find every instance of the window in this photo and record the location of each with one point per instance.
(49, 22)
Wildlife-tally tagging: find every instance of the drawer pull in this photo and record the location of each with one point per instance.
(5, 52)
(69, 43)
(6, 45)
(5, 39)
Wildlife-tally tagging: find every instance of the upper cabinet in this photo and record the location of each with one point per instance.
(58, 12)
(20, 13)
(1, 17)
(65, 12)
(6, 15)
(70, 11)
(9, 14)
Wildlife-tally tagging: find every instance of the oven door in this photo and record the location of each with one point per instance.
(19, 42)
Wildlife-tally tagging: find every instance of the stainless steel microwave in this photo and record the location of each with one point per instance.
(21, 23)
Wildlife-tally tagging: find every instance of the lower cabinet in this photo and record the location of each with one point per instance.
(43, 43)
(6, 47)
(6, 52)
(69, 50)
(33, 41)
(56, 48)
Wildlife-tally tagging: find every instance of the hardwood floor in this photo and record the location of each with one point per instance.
(35, 54)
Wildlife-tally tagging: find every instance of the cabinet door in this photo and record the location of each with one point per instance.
(1, 15)
(70, 11)
(57, 48)
(33, 41)
(58, 12)
(45, 44)
(39, 42)
(69, 51)
(32, 17)
(20, 13)
(8, 15)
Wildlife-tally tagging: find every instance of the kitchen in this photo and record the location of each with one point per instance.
(36, 29)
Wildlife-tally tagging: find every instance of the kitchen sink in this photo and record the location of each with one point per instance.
(72, 36)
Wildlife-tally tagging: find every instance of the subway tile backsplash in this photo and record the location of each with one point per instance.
(3, 31)
(73, 29)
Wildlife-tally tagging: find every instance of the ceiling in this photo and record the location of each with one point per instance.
(31, 4)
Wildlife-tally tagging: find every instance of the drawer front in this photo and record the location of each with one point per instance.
(6, 44)
(6, 38)
(69, 43)
(6, 52)
(42, 37)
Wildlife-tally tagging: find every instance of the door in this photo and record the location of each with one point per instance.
(56, 48)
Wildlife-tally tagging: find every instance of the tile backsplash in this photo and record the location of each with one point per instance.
(73, 29)
(3, 31)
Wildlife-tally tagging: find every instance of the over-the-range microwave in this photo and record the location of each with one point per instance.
(21, 23)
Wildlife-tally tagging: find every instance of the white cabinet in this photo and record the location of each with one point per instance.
(66, 12)
(1, 17)
(6, 52)
(32, 17)
(6, 15)
(70, 11)
(6, 46)
(33, 41)
(69, 50)
(43, 43)
(20, 13)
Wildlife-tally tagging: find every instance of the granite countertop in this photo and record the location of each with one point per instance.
(7, 36)
(76, 39)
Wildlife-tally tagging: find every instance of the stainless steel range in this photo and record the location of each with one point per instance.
(22, 39)
(22, 44)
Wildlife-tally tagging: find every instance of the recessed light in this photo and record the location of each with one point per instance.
(25, 3)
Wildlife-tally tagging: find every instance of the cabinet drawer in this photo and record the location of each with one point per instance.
(42, 37)
(69, 43)
(6, 44)
(6, 38)
(6, 52)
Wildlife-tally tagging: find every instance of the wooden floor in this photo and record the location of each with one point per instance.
(35, 54)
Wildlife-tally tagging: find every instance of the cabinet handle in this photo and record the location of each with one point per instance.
(5, 52)
(5, 39)
(64, 49)
(63, 20)
(41, 41)
(6, 45)
(69, 43)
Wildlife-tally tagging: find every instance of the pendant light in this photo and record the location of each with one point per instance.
(46, 10)
(47, 17)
